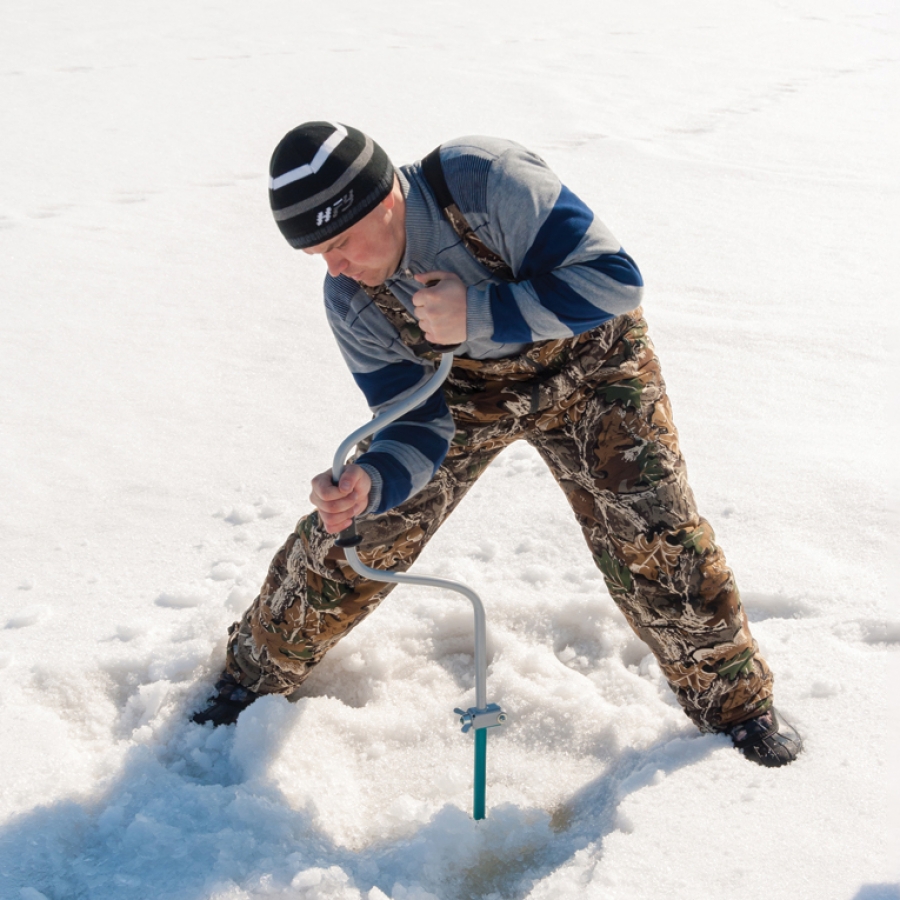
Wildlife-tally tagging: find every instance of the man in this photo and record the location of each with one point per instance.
(481, 246)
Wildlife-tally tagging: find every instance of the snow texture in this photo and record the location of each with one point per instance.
(170, 386)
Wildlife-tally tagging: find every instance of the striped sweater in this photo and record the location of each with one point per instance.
(571, 275)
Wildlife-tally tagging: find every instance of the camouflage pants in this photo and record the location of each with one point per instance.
(596, 410)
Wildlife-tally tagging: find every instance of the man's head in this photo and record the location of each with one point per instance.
(333, 192)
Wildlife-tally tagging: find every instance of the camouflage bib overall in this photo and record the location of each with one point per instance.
(594, 406)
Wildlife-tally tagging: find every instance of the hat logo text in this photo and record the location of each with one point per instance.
(342, 204)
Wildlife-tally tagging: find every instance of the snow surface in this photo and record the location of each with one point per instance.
(169, 386)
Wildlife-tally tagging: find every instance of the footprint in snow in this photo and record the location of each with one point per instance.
(270, 509)
(244, 513)
(483, 550)
(226, 569)
(869, 631)
(238, 515)
(26, 617)
(127, 633)
(824, 689)
(181, 598)
(775, 606)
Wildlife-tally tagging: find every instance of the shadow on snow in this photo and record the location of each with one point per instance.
(190, 818)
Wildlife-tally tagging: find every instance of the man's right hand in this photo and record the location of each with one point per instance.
(339, 504)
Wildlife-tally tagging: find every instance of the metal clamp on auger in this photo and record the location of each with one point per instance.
(489, 717)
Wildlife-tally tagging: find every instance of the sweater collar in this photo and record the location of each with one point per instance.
(422, 215)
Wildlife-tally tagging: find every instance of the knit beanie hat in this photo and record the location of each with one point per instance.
(323, 178)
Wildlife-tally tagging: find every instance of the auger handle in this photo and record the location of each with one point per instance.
(349, 537)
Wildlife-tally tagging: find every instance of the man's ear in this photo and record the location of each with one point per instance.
(390, 201)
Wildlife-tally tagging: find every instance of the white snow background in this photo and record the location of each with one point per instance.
(169, 386)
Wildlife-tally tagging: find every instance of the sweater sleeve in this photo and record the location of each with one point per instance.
(571, 273)
(403, 457)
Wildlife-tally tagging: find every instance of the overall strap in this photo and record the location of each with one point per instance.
(406, 324)
(393, 310)
(433, 170)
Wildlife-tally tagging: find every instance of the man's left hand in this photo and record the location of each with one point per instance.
(441, 308)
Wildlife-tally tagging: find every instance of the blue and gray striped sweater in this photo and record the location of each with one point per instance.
(571, 273)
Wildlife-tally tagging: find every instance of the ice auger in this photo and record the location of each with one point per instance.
(479, 718)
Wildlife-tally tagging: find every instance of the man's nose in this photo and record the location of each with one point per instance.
(336, 263)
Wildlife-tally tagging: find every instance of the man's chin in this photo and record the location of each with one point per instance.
(365, 278)
(375, 279)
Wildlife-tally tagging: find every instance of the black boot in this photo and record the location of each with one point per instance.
(229, 701)
(766, 741)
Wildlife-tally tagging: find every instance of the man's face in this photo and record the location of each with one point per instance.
(369, 251)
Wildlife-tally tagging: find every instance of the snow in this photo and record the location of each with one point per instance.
(170, 386)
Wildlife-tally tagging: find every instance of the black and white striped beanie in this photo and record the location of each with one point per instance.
(323, 178)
